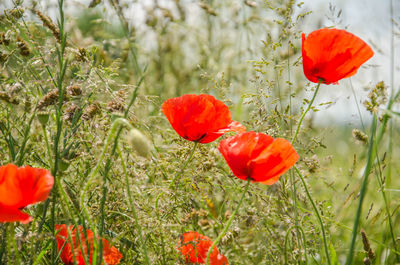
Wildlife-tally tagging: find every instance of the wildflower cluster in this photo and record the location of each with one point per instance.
(252, 155)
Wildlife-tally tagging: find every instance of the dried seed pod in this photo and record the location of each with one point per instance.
(17, 12)
(367, 245)
(360, 136)
(94, 3)
(70, 112)
(3, 56)
(82, 55)
(376, 97)
(367, 261)
(115, 106)
(250, 3)
(204, 222)
(208, 9)
(8, 98)
(312, 163)
(4, 39)
(91, 111)
(74, 90)
(49, 99)
(23, 47)
(49, 24)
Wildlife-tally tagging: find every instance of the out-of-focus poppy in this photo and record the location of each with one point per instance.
(20, 187)
(330, 55)
(194, 247)
(258, 156)
(199, 118)
(71, 252)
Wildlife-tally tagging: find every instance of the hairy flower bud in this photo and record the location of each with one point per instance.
(139, 142)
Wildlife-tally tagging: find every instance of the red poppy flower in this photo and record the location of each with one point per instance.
(199, 118)
(333, 54)
(258, 156)
(20, 187)
(194, 247)
(71, 252)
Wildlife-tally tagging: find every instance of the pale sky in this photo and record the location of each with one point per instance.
(368, 19)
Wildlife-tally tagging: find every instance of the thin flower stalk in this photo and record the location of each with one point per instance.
(132, 206)
(190, 156)
(228, 223)
(305, 112)
(298, 228)
(115, 125)
(363, 191)
(328, 257)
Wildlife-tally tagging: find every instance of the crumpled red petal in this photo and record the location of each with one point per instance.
(20, 187)
(194, 247)
(258, 156)
(78, 248)
(199, 118)
(330, 55)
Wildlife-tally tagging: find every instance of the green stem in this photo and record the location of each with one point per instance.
(83, 201)
(132, 206)
(64, 202)
(46, 139)
(14, 244)
(386, 117)
(292, 182)
(184, 165)
(93, 173)
(296, 214)
(317, 213)
(305, 112)
(363, 191)
(304, 242)
(228, 224)
(381, 181)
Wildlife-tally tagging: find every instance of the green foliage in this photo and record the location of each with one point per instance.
(59, 98)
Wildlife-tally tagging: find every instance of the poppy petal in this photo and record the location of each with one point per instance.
(219, 260)
(194, 247)
(333, 54)
(75, 247)
(279, 157)
(20, 187)
(238, 150)
(258, 156)
(199, 118)
(12, 214)
(111, 254)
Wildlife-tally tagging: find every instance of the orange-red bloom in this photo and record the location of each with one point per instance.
(258, 156)
(71, 252)
(199, 118)
(333, 54)
(20, 187)
(194, 247)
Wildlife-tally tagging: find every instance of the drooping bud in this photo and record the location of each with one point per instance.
(139, 142)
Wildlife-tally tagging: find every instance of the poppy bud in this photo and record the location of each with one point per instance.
(139, 142)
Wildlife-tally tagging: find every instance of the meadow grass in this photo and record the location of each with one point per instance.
(81, 94)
